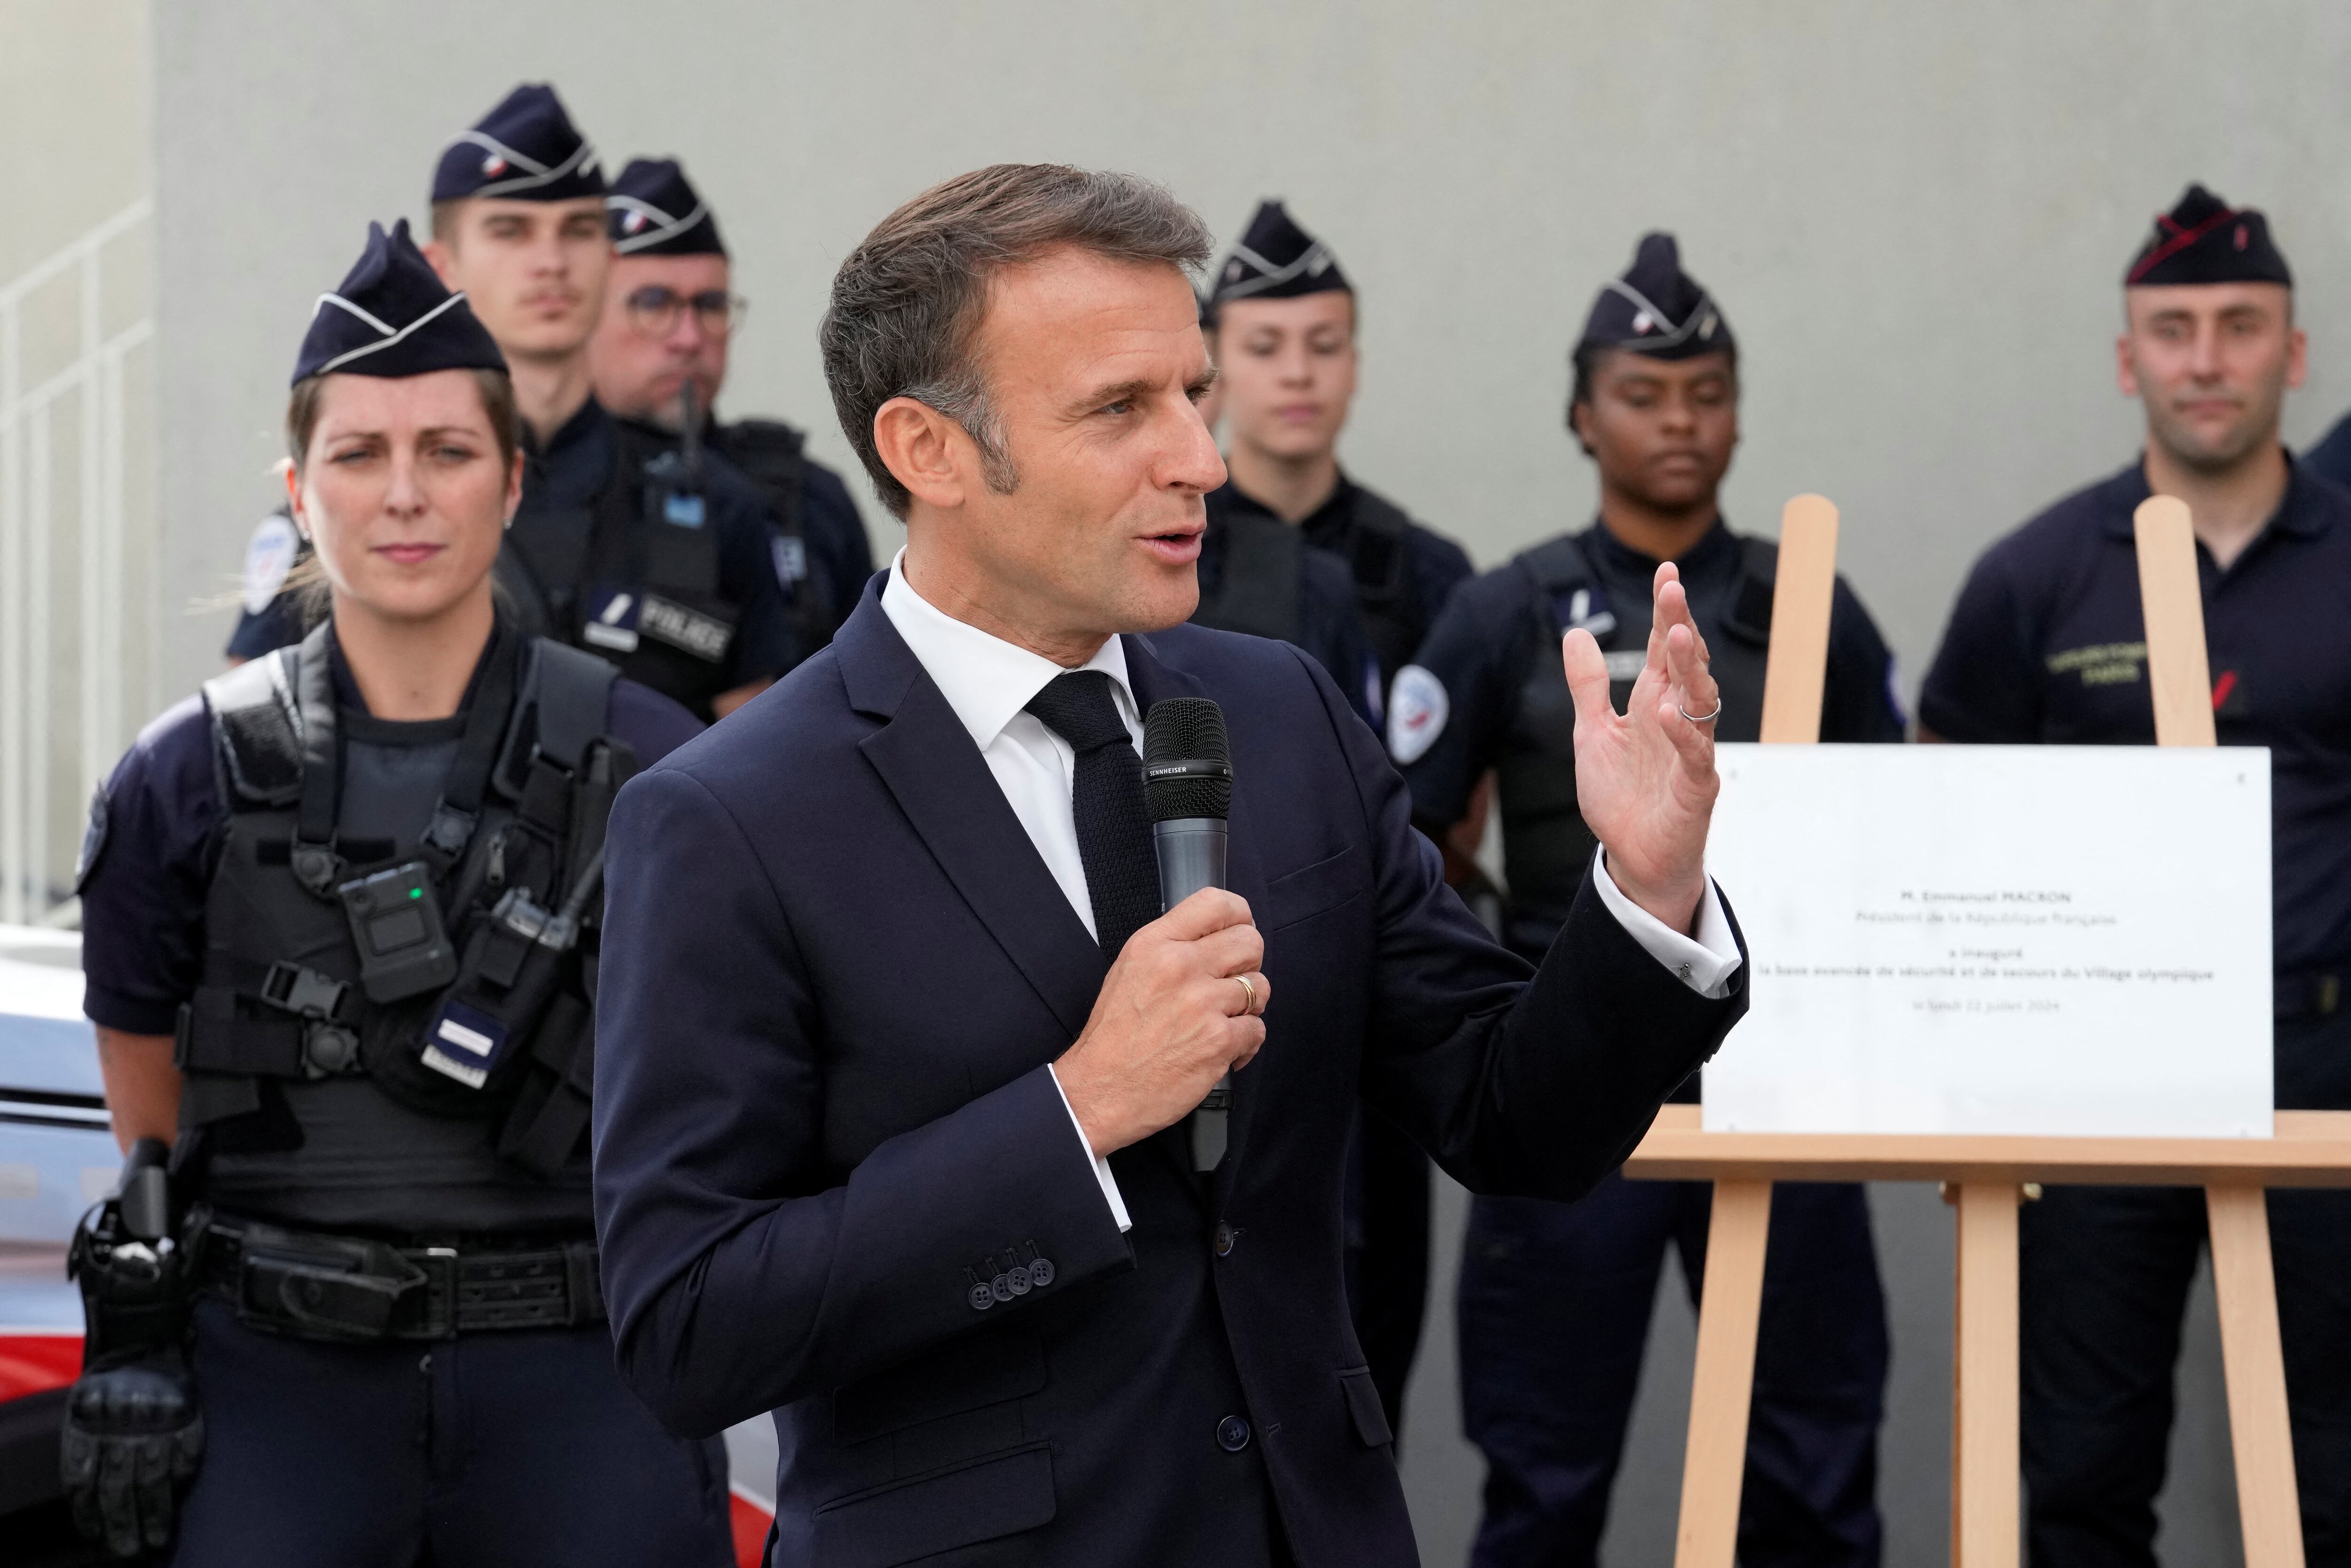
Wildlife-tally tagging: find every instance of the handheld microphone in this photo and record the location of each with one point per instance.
(1187, 782)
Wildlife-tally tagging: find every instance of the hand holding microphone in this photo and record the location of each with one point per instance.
(1180, 1009)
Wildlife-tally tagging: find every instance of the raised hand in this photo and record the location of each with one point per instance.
(1646, 778)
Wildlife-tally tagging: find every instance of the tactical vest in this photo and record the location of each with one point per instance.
(632, 576)
(1545, 843)
(771, 455)
(1378, 545)
(451, 976)
(1256, 589)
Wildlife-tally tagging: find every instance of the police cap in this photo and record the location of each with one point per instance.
(525, 150)
(392, 317)
(656, 211)
(1656, 309)
(2205, 240)
(1276, 260)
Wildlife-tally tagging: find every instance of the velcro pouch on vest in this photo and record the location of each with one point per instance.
(551, 1112)
(216, 1034)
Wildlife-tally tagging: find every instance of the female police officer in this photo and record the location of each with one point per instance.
(339, 920)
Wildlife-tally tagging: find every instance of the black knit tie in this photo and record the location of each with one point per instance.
(1106, 797)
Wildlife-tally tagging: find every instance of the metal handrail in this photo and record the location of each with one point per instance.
(30, 534)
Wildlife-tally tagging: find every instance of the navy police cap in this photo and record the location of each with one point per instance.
(1276, 260)
(392, 317)
(2205, 240)
(655, 210)
(525, 150)
(1656, 309)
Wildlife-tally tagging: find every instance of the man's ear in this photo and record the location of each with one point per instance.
(2125, 377)
(443, 263)
(2298, 356)
(931, 455)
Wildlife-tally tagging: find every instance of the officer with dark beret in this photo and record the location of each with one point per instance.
(1297, 550)
(669, 320)
(1555, 1299)
(342, 919)
(2048, 645)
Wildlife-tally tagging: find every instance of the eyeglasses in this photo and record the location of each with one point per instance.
(653, 310)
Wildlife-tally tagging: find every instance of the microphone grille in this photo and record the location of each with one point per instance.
(1187, 767)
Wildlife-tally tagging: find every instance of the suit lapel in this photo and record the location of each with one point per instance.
(1155, 681)
(925, 757)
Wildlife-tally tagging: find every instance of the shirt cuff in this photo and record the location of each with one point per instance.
(1101, 1167)
(1705, 964)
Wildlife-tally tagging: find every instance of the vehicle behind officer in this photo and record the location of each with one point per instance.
(625, 546)
(670, 318)
(1555, 1299)
(341, 919)
(2048, 645)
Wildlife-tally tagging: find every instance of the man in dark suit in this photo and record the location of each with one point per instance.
(897, 1055)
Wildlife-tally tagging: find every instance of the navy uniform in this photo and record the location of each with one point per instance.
(2048, 645)
(1357, 583)
(268, 616)
(360, 1319)
(821, 554)
(1555, 1299)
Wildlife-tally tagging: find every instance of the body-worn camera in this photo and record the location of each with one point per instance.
(403, 944)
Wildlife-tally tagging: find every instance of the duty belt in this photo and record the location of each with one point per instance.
(354, 1289)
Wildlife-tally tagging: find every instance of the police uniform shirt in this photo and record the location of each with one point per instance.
(2048, 645)
(572, 470)
(839, 555)
(1398, 599)
(1483, 647)
(153, 847)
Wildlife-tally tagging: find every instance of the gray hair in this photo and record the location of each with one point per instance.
(907, 303)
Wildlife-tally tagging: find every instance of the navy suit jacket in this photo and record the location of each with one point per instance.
(834, 971)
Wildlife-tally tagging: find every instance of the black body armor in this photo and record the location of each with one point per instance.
(772, 456)
(633, 577)
(448, 973)
(1256, 589)
(1545, 845)
(1375, 545)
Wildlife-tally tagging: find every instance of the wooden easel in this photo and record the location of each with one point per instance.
(2309, 1148)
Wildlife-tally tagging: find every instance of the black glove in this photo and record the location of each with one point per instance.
(132, 1432)
(133, 1437)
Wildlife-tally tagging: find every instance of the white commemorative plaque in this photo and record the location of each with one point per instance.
(2067, 941)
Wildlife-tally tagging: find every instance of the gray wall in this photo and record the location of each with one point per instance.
(1916, 217)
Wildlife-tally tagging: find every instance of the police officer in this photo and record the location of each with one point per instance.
(1283, 336)
(267, 615)
(1284, 317)
(1555, 1299)
(657, 559)
(669, 318)
(340, 918)
(1257, 572)
(2047, 645)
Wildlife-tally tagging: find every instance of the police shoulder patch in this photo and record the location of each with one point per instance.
(93, 841)
(1417, 709)
(268, 557)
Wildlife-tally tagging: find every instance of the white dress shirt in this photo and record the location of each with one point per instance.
(988, 681)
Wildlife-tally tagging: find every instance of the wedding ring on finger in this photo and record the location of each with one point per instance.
(1248, 995)
(1701, 718)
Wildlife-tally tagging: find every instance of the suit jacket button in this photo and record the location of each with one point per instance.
(1224, 1240)
(1041, 1271)
(981, 1298)
(1018, 1276)
(1000, 1288)
(1232, 1434)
